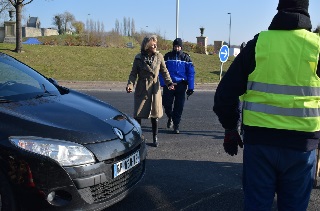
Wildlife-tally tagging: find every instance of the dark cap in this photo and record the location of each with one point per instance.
(177, 41)
(300, 6)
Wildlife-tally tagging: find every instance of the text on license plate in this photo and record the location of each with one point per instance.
(126, 164)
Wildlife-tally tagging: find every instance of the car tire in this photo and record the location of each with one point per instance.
(7, 200)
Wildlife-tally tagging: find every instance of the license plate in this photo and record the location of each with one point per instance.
(126, 164)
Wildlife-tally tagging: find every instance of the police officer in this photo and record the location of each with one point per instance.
(277, 72)
(182, 73)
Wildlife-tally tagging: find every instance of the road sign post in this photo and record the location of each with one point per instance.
(223, 56)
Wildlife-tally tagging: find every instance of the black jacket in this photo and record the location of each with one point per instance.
(234, 84)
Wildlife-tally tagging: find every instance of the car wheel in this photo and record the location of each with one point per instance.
(7, 201)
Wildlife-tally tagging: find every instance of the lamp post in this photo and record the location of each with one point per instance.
(88, 21)
(177, 17)
(229, 13)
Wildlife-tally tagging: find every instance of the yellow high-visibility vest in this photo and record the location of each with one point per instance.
(283, 92)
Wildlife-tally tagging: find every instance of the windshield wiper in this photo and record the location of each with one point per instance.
(3, 100)
(46, 94)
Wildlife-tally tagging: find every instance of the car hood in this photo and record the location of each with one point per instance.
(73, 117)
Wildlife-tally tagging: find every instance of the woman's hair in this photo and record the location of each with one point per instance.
(147, 42)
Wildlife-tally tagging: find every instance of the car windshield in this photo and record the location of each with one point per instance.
(19, 82)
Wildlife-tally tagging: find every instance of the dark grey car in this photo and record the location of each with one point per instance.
(61, 149)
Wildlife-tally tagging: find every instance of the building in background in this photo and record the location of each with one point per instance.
(8, 33)
(33, 22)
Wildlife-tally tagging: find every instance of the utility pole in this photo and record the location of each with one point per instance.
(177, 18)
(229, 29)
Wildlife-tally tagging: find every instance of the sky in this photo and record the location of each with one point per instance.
(248, 17)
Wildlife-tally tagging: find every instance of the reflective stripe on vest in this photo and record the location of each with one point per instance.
(283, 91)
(296, 112)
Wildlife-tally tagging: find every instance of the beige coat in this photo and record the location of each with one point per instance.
(147, 95)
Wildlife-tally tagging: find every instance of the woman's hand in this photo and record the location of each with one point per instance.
(128, 89)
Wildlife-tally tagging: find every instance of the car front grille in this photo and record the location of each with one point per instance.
(112, 188)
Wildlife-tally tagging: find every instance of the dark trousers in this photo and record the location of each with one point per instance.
(173, 102)
(268, 170)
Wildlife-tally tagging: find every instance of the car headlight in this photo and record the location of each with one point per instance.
(66, 153)
(136, 125)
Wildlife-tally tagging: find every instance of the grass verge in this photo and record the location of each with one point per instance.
(80, 63)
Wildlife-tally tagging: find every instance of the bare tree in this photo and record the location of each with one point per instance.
(133, 27)
(98, 27)
(18, 5)
(124, 26)
(121, 29)
(91, 26)
(102, 27)
(117, 26)
(128, 27)
(67, 20)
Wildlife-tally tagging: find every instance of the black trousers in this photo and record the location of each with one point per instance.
(173, 102)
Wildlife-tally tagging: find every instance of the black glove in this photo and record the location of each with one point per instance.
(231, 142)
(189, 92)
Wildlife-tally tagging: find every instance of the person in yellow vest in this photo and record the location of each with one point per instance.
(277, 72)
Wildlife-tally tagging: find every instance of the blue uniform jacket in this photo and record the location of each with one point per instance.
(180, 68)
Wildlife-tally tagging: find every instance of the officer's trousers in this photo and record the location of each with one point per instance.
(269, 170)
(173, 102)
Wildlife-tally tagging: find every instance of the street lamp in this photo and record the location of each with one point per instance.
(177, 17)
(229, 13)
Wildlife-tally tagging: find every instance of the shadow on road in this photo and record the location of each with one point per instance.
(186, 185)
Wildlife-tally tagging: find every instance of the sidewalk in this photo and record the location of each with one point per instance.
(119, 86)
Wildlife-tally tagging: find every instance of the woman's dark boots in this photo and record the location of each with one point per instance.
(154, 123)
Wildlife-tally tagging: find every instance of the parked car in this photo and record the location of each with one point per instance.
(61, 149)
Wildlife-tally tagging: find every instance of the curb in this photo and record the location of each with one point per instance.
(120, 86)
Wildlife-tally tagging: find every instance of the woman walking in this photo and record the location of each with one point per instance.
(144, 77)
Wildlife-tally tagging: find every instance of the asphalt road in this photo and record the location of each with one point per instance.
(190, 170)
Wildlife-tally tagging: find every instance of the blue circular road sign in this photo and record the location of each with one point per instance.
(224, 53)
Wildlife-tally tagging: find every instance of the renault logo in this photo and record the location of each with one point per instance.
(118, 133)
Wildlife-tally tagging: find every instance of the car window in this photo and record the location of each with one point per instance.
(9, 73)
(17, 79)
